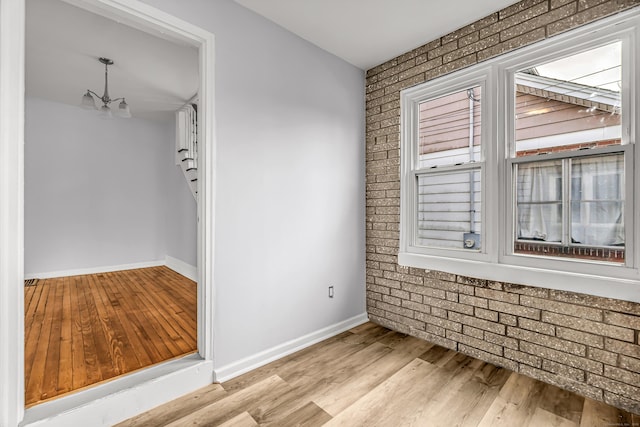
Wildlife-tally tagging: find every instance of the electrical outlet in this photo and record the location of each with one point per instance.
(330, 291)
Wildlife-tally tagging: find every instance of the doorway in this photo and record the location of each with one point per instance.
(106, 206)
(133, 393)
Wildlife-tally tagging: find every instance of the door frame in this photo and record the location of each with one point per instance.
(123, 397)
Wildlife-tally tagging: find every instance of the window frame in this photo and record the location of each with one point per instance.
(410, 170)
(496, 259)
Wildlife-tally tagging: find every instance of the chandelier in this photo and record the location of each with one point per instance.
(89, 102)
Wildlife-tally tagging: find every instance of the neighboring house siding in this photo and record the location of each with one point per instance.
(444, 123)
(583, 343)
(558, 118)
(537, 117)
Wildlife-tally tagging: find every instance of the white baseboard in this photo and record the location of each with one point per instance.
(94, 270)
(123, 398)
(187, 270)
(225, 373)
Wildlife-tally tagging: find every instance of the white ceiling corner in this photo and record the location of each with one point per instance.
(367, 33)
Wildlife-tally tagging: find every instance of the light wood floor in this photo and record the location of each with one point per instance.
(371, 376)
(82, 330)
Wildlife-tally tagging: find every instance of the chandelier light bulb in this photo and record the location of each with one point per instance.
(88, 102)
(123, 109)
(105, 112)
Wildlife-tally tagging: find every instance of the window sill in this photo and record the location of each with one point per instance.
(627, 289)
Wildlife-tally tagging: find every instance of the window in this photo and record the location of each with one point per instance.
(571, 207)
(581, 220)
(449, 170)
(521, 169)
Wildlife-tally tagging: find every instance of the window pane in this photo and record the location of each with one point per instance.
(583, 221)
(539, 201)
(449, 211)
(449, 129)
(598, 203)
(571, 103)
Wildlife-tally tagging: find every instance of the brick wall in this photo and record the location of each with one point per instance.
(583, 343)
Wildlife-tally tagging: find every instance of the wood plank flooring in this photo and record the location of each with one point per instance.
(371, 376)
(82, 330)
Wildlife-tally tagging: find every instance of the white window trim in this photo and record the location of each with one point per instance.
(410, 101)
(494, 261)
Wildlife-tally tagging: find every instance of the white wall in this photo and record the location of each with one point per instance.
(100, 193)
(290, 182)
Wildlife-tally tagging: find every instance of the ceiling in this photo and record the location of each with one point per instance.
(157, 75)
(63, 44)
(367, 33)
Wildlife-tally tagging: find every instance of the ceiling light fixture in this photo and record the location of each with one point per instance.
(89, 102)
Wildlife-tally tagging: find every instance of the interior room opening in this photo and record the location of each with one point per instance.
(110, 203)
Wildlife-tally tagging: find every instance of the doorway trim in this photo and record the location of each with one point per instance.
(124, 397)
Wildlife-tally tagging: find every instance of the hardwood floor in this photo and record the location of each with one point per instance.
(82, 330)
(371, 376)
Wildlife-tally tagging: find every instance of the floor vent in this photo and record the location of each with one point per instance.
(31, 282)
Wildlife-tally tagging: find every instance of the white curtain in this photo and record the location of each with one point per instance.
(539, 197)
(597, 200)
